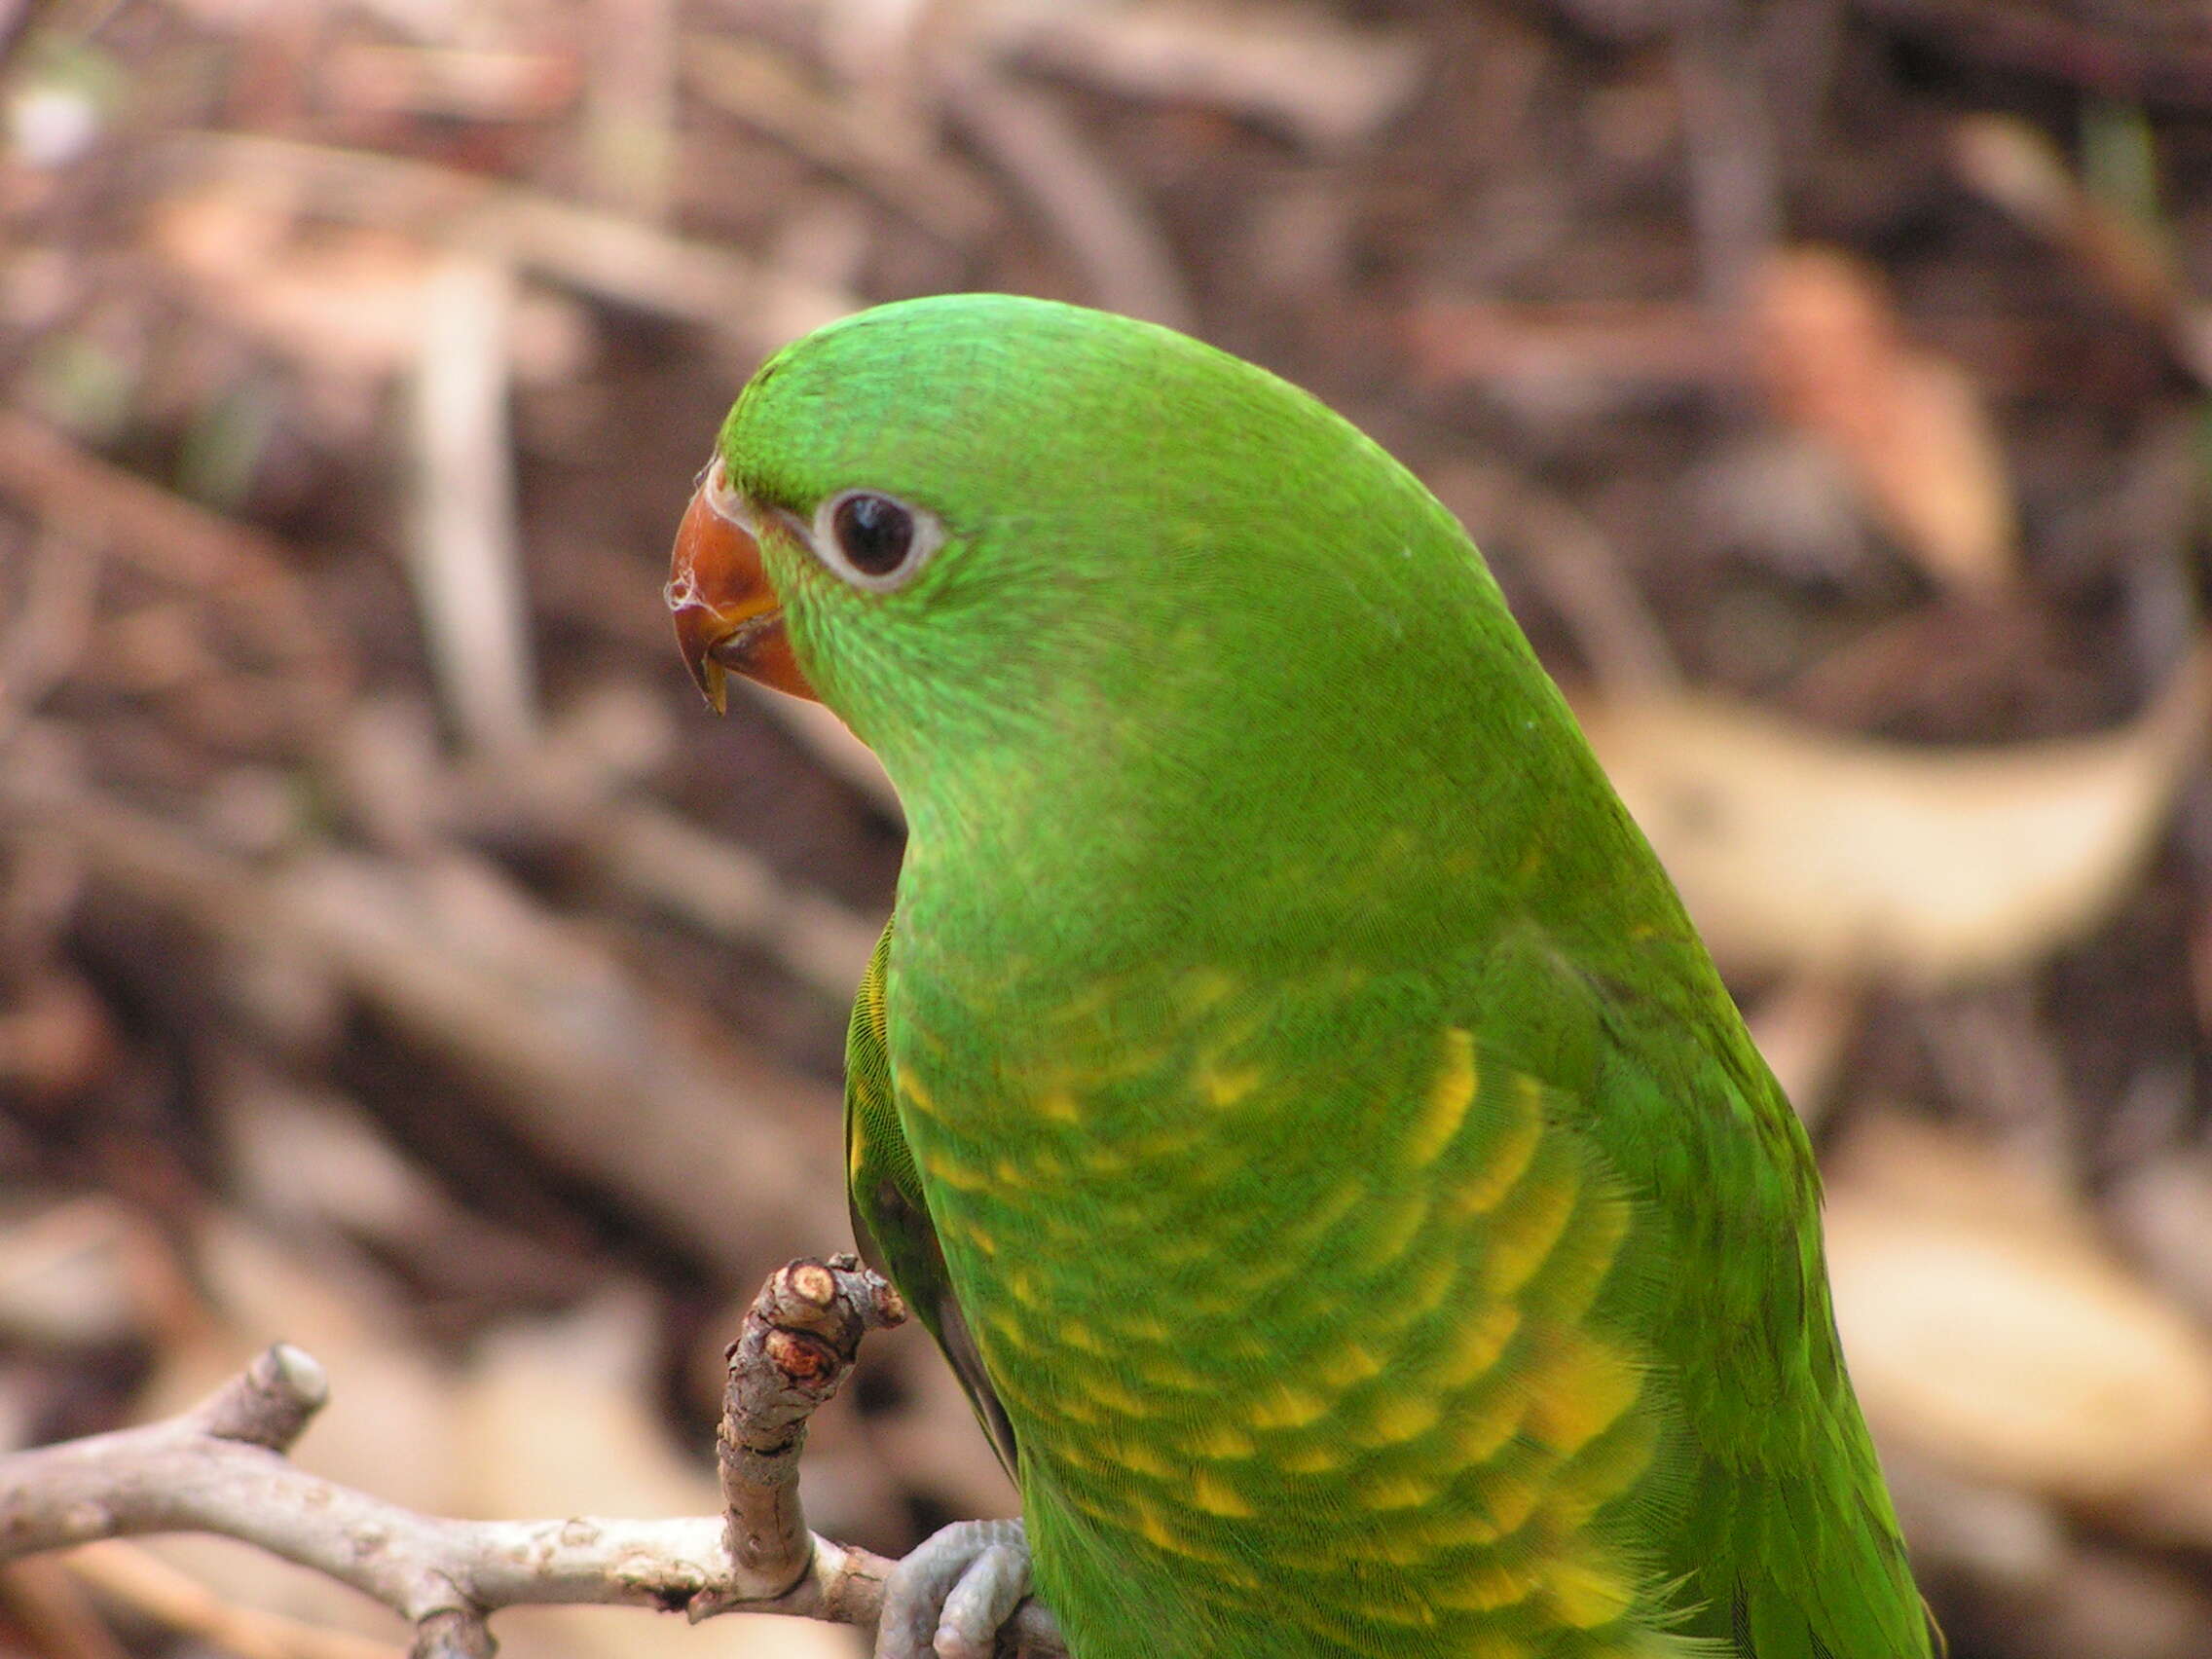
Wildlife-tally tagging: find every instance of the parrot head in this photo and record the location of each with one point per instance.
(944, 492)
(989, 526)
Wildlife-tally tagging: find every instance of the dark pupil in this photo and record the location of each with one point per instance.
(875, 532)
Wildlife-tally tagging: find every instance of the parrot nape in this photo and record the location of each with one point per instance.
(1289, 1086)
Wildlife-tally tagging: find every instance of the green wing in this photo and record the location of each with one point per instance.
(1789, 1544)
(891, 1219)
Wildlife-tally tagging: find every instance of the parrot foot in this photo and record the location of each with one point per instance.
(948, 1597)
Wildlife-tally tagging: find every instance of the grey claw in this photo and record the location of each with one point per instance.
(949, 1597)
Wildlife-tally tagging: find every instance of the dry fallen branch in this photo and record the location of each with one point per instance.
(1294, 69)
(464, 556)
(749, 81)
(1804, 850)
(222, 1468)
(1106, 227)
(106, 510)
(606, 255)
(1908, 424)
(1992, 1332)
(569, 1051)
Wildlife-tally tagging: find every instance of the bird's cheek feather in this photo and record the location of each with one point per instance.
(728, 615)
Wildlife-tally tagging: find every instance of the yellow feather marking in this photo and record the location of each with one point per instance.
(1163, 1371)
(1216, 1496)
(1072, 1408)
(1138, 1458)
(1404, 1489)
(1173, 1250)
(1115, 1398)
(1481, 1340)
(1590, 1251)
(1145, 1327)
(1285, 1407)
(1220, 1439)
(1481, 1427)
(1013, 1385)
(1406, 1417)
(1487, 1586)
(1511, 1499)
(911, 1094)
(1350, 1363)
(1287, 1256)
(1233, 1296)
(1314, 1458)
(1224, 1085)
(1407, 1608)
(1450, 1527)
(1526, 1231)
(1581, 1387)
(1058, 1106)
(1079, 1335)
(1205, 986)
(1006, 1174)
(1157, 1532)
(1602, 1472)
(1065, 1451)
(1097, 1508)
(1164, 1535)
(1011, 1329)
(1434, 1277)
(960, 1177)
(968, 1229)
(1395, 1232)
(1104, 1160)
(1399, 1545)
(1521, 1133)
(1586, 1596)
(856, 1143)
(1445, 1107)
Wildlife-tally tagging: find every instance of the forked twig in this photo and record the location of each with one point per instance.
(222, 1468)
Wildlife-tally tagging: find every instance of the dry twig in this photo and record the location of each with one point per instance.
(564, 1048)
(1107, 229)
(222, 1468)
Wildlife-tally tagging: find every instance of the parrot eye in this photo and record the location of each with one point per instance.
(873, 541)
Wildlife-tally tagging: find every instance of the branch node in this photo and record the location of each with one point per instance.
(453, 1632)
(800, 1338)
(270, 1403)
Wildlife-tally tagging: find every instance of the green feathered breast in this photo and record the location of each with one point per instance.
(1290, 1090)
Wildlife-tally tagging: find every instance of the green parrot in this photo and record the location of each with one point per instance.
(1288, 1087)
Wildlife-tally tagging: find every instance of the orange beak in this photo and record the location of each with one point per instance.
(727, 615)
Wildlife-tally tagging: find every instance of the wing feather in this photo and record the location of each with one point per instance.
(891, 1218)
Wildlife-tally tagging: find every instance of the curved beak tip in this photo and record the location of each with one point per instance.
(698, 631)
(727, 615)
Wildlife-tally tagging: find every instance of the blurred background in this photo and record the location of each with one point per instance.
(394, 957)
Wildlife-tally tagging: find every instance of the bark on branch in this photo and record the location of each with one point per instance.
(222, 1468)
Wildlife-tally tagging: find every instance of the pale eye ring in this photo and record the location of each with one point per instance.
(873, 541)
(727, 502)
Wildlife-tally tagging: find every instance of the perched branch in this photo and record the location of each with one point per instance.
(222, 1468)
